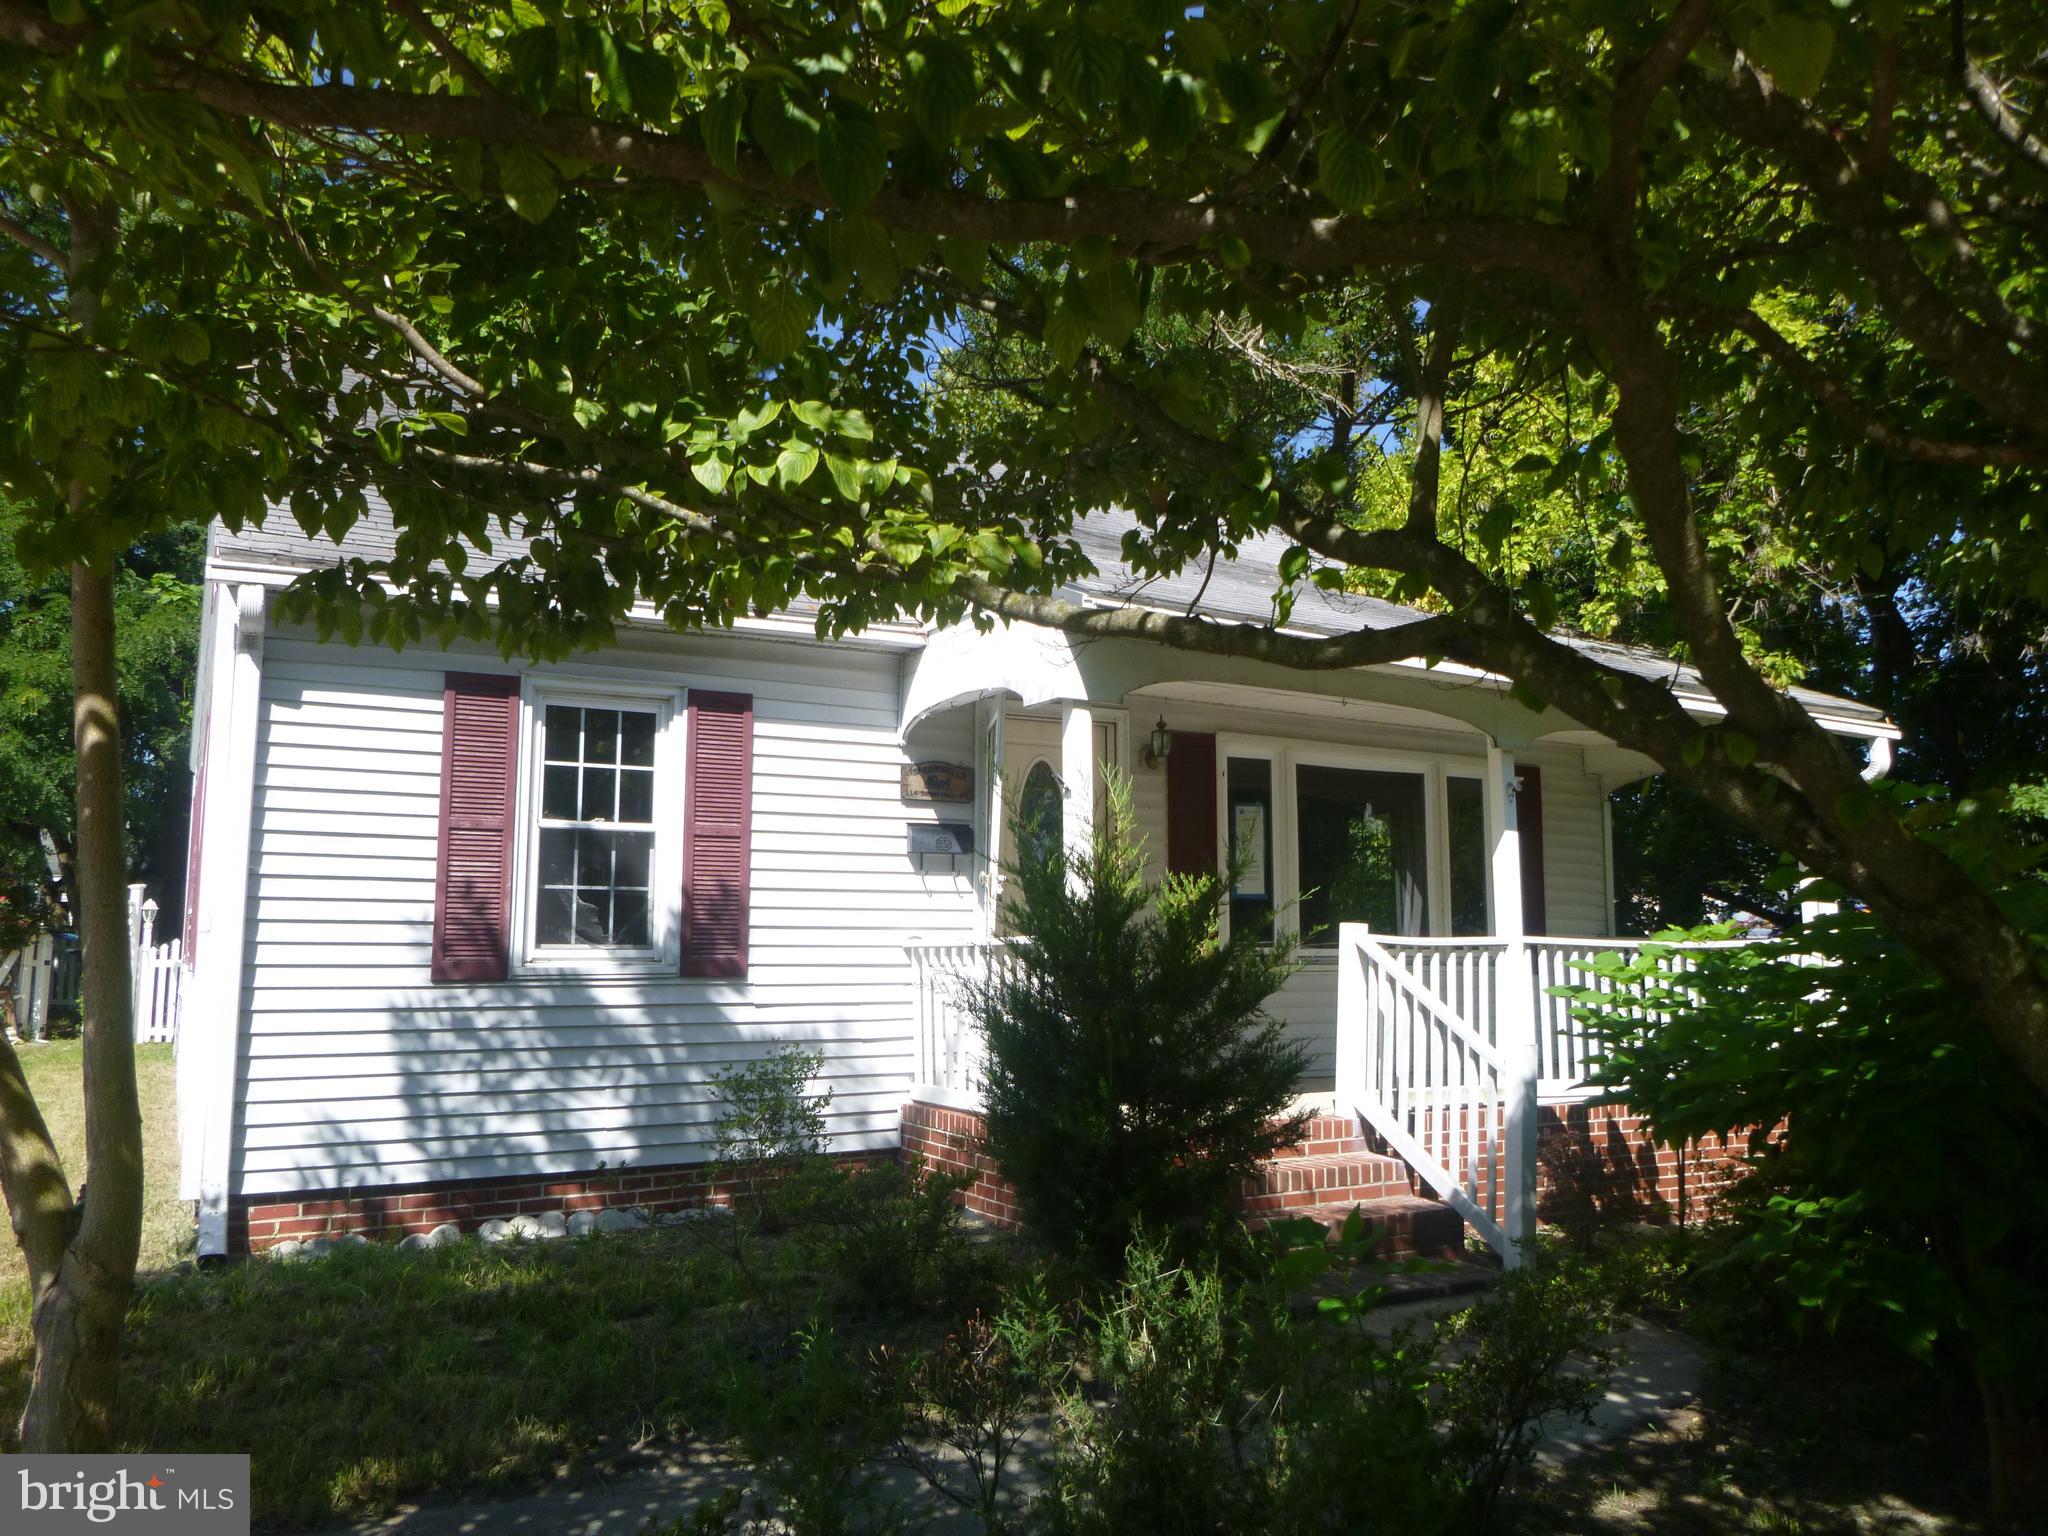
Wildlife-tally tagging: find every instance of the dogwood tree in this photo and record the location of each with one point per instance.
(655, 300)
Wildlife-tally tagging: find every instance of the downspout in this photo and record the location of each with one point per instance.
(1880, 764)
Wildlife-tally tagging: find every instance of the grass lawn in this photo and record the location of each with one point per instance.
(55, 1078)
(376, 1374)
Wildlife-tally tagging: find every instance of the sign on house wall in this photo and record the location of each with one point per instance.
(949, 782)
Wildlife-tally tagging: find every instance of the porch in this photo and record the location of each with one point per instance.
(1448, 1053)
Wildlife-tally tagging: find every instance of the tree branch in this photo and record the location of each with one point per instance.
(1431, 388)
(1983, 93)
(1828, 391)
(1173, 230)
(471, 72)
(1304, 93)
(1634, 94)
(1437, 636)
(1975, 355)
(34, 244)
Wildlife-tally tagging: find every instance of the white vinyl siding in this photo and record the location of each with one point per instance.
(356, 1069)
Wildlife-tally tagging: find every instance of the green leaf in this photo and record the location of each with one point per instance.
(1794, 49)
(750, 420)
(814, 413)
(942, 87)
(713, 472)
(1087, 66)
(1348, 169)
(1740, 749)
(721, 125)
(1067, 330)
(536, 62)
(851, 160)
(845, 476)
(863, 248)
(784, 127)
(797, 462)
(189, 343)
(466, 167)
(965, 259)
(1113, 301)
(650, 81)
(527, 181)
(1179, 115)
(780, 318)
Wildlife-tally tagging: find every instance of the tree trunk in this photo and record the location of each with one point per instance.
(80, 1311)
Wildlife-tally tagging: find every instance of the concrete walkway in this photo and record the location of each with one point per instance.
(1659, 1375)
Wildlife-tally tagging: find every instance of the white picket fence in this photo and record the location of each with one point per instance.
(46, 973)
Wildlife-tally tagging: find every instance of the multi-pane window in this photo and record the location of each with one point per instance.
(1363, 851)
(596, 828)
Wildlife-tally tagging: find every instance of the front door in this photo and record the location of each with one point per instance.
(1032, 794)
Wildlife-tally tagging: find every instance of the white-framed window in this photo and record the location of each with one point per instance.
(1327, 834)
(600, 833)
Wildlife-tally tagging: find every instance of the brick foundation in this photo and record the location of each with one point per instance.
(392, 1211)
(1595, 1165)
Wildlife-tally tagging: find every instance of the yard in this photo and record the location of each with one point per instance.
(375, 1377)
(54, 1076)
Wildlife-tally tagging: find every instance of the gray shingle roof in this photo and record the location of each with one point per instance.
(1240, 589)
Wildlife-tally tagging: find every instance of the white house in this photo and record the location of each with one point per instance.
(471, 937)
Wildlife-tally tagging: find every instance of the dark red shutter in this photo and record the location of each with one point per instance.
(473, 874)
(718, 832)
(1191, 804)
(194, 832)
(1529, 824)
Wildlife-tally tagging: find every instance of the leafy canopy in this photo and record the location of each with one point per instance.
(621, 302)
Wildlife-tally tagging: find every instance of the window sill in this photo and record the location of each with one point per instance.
(596, 968)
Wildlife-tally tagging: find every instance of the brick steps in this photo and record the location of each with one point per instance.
(1328, 1171)
(1403, 1226)
(1334, 1168)
(1295, 1183)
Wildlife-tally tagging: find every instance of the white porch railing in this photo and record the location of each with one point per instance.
(951, 1050)
(1434, 1083)
(1444, 1047)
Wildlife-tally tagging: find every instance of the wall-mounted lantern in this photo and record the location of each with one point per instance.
(1159, 746)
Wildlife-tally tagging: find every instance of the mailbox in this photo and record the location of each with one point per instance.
(941, 837)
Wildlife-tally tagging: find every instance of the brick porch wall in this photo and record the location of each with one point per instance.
(1597, 1163)
(947, 1140)
(1594, 1165)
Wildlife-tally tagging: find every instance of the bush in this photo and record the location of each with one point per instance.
(1134, 1078)
(1530, 1352)
(885, 1237)
(1902, 1201)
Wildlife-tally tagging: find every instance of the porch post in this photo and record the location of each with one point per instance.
(1514, 1004)
(988, 731)
(1077, 779)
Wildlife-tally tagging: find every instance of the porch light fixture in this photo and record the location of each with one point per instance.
(1161, 743)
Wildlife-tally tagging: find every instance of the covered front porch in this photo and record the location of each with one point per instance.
(1442, 852)
(1446, 1051)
